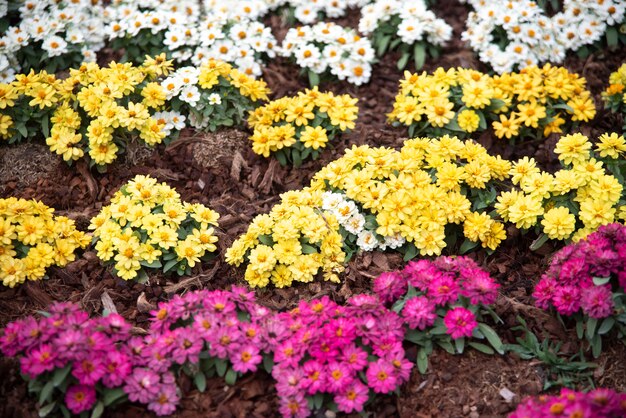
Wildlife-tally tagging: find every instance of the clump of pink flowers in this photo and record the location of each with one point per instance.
(442, 302)
(599, 403)
(326, 352)
(69, 356)
(586, 281)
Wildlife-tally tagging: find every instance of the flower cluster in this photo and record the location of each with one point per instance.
(518, 33)
(211, 96)
(419, 191)
(95, 110)
(146, 226)
(49, 34)
(299, 127)
(586, 280)
(291, 243)
(442, 302)
(192, 34)
(32, 239)
(329, 49)
(405, 25)
(615, 95)
(309, 12)
(347, 352)
(533, 102)
(575, 200)
(598, 403)
(73, 362)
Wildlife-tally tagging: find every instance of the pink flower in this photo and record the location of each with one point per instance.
(389, 286)
(165, 400)
(187, 346)
(88, 371)
(246, 359)
(352, 398)
(294, 406)
(142, 385)
(566, 300)
(288, 381)
(338, 375)
(544, 292)
(381, 377)
(460, 322)
(420, 273)
(443, 290)
(597, 301)
(314, 377)
(38, 361)
(419, 312)
(117, 367)
(479, 287)
(80, 398)
(354, 357)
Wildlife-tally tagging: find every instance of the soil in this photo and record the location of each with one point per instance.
(221, 171)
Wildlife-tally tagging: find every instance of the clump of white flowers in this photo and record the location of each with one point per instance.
(518, 33)
(360, 227)
(327, 49)
(50, 35)
(406, 25)
(192, 33)
(308, 12)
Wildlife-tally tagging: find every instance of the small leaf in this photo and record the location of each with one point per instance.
(314, 78)
(220, 367)
(46, 392)
(601, 281)
(98, 410)
(280, 156)
(112, 395)
(606, 325)
(60, 374)
(591, 327)
(612, 37)
(419, 55)
(467, 246)
(170, 265)
(411, 251)
(596, 346)
(200, 381)
(308, 249)
(492, 337)
(231, 377)
(538, 243)
(481, 347)
(404, 59)
(459, 344)
(422, 361)
(45, 411)
(268, 362)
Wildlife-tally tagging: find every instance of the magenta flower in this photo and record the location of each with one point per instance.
(38, 361)
(88, 371)
(142, 385)
(566, 299)
(597, 301)
(313, 377)
(479, 287)
(460, 322)
(544, 292)
(352, 398)
(294, 407)
(247, 359)
(338, 375)
(354, 357)
(390, 286)
(117, 367)
(187, 346)
(443, 290)
(165, 400)
(80, 398)
(419, 312)
(381, 377)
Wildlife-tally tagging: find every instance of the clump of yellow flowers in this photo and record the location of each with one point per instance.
(32, 239)
(615, 95)
(299, 127)
(146, 226)
(577, 199)
(534, 102)
(290, 244)
(210, 96)
(94, 111)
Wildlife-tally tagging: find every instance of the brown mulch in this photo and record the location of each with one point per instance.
(221, 171)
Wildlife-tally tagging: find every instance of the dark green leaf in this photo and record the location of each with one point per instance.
(112, 395)
(538, 243)
(200, 381)
(492, 337)
(606, 325)
(45, 410)
(98, 410)
(467, 246)
(231, 377)
(404, 59)
(419, 55)
(60, 374)
(481, 347)
(600, 281)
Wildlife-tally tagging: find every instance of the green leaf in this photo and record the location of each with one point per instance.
(492, 337)
(404, 59)
(220, 367)
(318, 401)
(382, 45)
(592, 323)
(601, 281)
(46, 392)
(580, 330)
(411, 251)
(467, 246)
(60, 374)
(98, 410)
(281, 157)
(296, 157)
(481, 347)
(419, 55)
(538, 243)
(314, 78)
(596, 346)
(612, 37)
(44, 126)
(154, 265)
(45, 410)
(170, 265)
(231, 377)
(606, 325)
(268, 362)
(200, 381)
(21, 128)
(459, 344)
(308, 249)
(266, 240)
(112, 395)
(422, 361)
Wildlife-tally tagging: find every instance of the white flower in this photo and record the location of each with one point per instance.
(330, 200)
(345, 210)
(215, 99)
(354, 224)
(55, 46)
(367, 241)
(190, 94)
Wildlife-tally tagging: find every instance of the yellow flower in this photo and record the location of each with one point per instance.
(257, 278)
(262, 258)
(299, 112)
(314, 137)
(583, 108)
(594, 213)
(494, 236)
(12, 271)
(430, 242)
(507, 127)
(477, 94)
(281, 276)
(476, 226)
(439, 113)
(153, 95)
(573, 148)
(558, 223)
(468, 120)
(524, 211)
(128, 259)
(189, 250)
(165, 237)
(205, 238)
(530, 113)
(523, 168)
(43, 97)
(609, 145)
